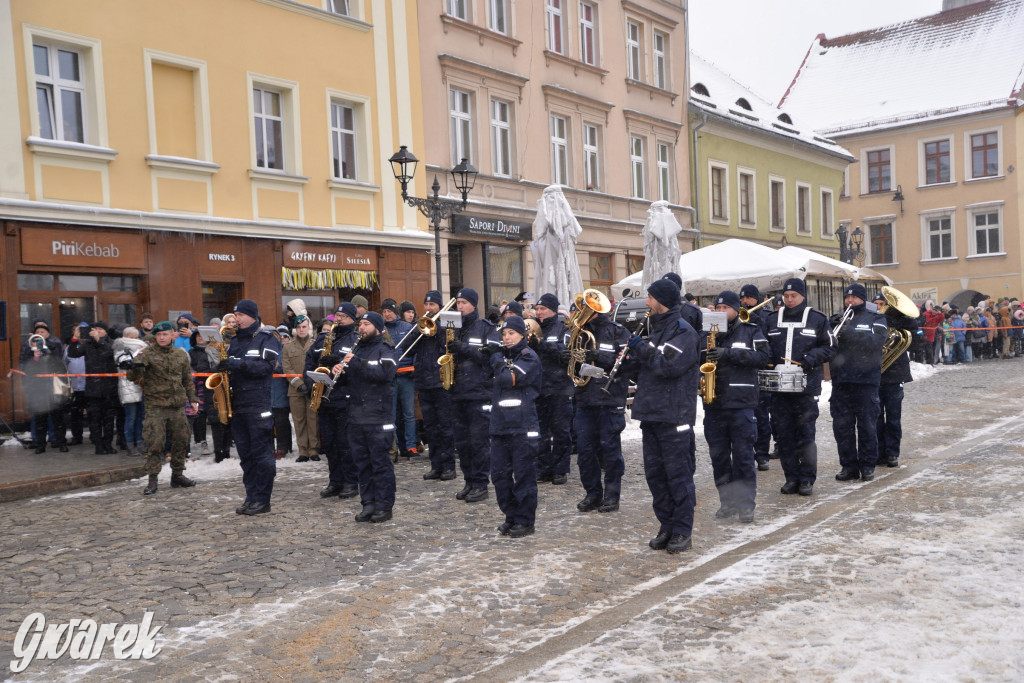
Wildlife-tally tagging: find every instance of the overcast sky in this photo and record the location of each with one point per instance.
(762, 43)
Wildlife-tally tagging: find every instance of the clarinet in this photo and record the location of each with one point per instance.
(622, 356)
(344, 365)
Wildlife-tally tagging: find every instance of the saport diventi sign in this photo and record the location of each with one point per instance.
(492, 227)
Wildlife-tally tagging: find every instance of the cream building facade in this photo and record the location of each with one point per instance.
(590, 96)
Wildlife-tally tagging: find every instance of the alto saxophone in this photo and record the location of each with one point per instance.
(218, 382)
(447, 361)
(707, 371)
(316, 394)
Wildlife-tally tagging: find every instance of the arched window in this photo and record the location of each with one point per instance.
(743, 104)
(700, 89)
(785, 119)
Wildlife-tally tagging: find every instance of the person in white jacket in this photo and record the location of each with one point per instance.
(127, 347)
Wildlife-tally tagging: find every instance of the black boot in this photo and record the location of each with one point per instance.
(41, 448)
(180, 481)
(151, 486)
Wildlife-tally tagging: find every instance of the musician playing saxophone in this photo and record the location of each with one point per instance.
(798, 335)
(730, 424)
(332, 416)
(666, 405)
(890, 390)
(856, 372)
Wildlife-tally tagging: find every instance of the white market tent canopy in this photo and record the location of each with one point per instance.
(734, 263)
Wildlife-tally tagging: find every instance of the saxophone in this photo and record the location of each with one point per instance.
(707, 371)
(218, 382)
(317, 393)
(447, 361)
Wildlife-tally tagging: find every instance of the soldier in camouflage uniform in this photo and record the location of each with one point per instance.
(165, 375)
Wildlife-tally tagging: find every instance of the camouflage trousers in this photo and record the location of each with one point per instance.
(160, 426)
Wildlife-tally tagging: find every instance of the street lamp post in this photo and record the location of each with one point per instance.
(850, 244)
(434, 207)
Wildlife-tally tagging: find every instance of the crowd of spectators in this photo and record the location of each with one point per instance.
(989, 330)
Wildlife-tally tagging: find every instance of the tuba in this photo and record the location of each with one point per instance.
(218, 382)
(896, 344)
(588, 304)
(707, 371)
(316, 394)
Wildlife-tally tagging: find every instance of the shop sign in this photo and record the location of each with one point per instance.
(924, 293)
(223, 257)
(306, 255)
(492, 227)
(82, 247)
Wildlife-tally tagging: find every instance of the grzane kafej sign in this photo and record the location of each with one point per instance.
(492, 227)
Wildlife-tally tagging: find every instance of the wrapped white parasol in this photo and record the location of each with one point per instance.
(555, 232)
(661, 243)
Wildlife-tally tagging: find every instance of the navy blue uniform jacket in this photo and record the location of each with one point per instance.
(812, 342)
(666, 387)
(344, 339)
(513, 402)
(744, 352)
(370, 378)
(549, 350)
(859, 348)
(252, 357)
(611, 338)
(472, 366)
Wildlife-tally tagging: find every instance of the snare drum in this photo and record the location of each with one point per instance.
(788, 379)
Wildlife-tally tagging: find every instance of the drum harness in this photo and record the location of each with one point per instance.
(790, 328)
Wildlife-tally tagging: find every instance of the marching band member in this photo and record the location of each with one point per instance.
(750, 297)
(435, 402)
(514, 430)
(252, 357)
(405, 384)
(730, 424)
(856, 371)
(890, 392)
(369, 369)
(332, 416)
(666, 404)
(600, 418)
(688, 309)
(554, 405)
(474, 342)
(798, 335)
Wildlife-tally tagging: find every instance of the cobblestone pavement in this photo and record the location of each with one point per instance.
(305, 592)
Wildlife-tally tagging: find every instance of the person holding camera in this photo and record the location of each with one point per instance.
(101, 386)
(45, 401)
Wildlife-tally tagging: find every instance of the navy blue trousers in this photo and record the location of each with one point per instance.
(470, 429)
(333, 423)
(730, 435)
(855, 409)
(599, 448)
(371, 453)
(514, 476)
(436, 406)
(793, 424)
(763, 444)
(890, 414)
(254, 434)
(555, 450)
(669, 471)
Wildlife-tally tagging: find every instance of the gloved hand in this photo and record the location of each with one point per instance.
(126, 364)
(533, 342)
(223, 365)
(488, 349)
(635, 342)
(716, 354)
(564, 356)
(591, 355)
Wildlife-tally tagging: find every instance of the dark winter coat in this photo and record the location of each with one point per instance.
(341, 345)
(513, 403)
(611, 338)
(370, 378)
(666, 386)
(812, 342)
(744, 351)
(99, 359)
(549, 350)
(472, 362)
(252, 357)
(899, 371)
(858, 358)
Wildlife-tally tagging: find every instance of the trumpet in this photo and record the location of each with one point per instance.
(427, 327)
(847, 314)
(745, 312)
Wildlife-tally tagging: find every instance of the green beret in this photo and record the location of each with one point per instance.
(164, 326)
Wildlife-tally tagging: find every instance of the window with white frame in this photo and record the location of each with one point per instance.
(938, 163)
(719, 189)
(879, 170)
(827, 214)
(634, 56)
(660, 60)
(777, 195)
(559, 150)
(938, 236)
(664, 172)
(747, 198)
(984, 148)
(461, 115)
(269, 127)
(501, 137)
(592, 156)
(588, 33)
(60, 92)
(556, 35)
(458, 9)
(803, 209)
(497, 16)
(343, 140)
(986, 226)
(636, 163)
(340, 7)
(881, 247)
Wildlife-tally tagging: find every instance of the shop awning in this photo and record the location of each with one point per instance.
(317, 278)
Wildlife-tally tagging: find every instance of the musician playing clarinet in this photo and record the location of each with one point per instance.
(798, 336)
(856, 372)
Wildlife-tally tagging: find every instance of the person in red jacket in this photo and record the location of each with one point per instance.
(933, 319)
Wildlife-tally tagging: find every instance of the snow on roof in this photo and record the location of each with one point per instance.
(717, 92)
(954, 62)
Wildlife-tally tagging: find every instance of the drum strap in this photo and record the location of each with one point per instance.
(791, 329)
